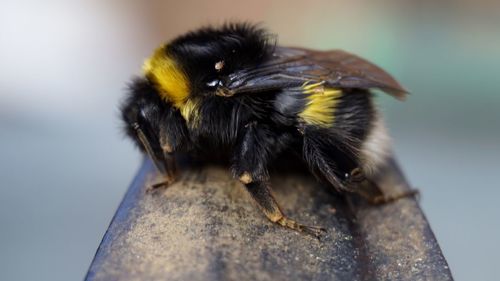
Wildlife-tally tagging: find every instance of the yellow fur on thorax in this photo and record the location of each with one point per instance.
(321, 103)
(172, 82)
(189, 110)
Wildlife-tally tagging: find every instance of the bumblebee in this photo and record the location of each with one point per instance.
(231, 91)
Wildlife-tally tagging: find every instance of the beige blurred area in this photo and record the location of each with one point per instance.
(64, 65)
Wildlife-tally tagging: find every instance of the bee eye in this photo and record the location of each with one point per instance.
(219, 66)
(214, 83)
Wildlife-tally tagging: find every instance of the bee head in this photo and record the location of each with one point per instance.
(201, 62)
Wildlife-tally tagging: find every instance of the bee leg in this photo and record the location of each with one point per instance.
(168, 177)
(257, 144)
(385, 199)
(261, 193)
(371, 192)
(318, 157)
(168, 169)
(172, 135)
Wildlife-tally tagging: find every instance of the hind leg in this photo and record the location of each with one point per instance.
(325, 159)
(371, 191)
(333, 160)
(389, 198)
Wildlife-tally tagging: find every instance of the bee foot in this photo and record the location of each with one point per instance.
(379, 200)
(165, 183)
(315, 231)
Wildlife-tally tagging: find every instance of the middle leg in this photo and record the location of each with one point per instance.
(255, 149)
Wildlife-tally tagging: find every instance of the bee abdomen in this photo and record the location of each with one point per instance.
(376, 147)
(313, 104)
(320, 104)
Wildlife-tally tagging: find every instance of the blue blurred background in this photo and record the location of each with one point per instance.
(64, 165)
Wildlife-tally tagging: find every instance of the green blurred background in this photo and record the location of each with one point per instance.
(64, 165)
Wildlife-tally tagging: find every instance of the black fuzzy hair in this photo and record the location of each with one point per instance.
(239, 45)
(245, 37)
(144, 108)
(141, 95)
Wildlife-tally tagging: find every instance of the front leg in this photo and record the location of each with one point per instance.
(255, 149)
(168, 176)
(173, 137)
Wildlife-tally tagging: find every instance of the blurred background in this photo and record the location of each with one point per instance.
(64, 164)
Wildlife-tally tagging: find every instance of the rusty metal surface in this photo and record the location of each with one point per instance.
(205, 227)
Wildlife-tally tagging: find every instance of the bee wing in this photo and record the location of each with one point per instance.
(292, 67)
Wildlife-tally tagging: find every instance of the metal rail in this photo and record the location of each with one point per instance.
(206, 227)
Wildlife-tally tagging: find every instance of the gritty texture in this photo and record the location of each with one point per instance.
(206, 227)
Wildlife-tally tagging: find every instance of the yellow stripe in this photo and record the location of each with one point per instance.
(321, 103)
(189, 110)
(172, 81)
(173, 84)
